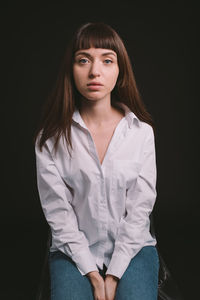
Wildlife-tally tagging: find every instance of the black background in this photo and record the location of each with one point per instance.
(161, 39)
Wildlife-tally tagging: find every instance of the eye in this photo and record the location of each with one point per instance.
(108, 61)
(83, 61)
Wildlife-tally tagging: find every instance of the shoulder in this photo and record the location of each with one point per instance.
(49, 143)
(145, 129)
(145, 133)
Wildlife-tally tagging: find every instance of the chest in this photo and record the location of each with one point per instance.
(102, 139)
(120, 168)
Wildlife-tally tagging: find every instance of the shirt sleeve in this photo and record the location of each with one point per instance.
(133, 229)
(55, 199)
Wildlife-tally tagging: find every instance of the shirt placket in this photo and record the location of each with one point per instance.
(102, 203)
(101, 196)
(102, 200)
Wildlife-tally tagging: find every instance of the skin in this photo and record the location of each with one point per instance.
(96, 65)
(103, 289)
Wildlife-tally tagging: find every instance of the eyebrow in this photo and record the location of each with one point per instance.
(88, 55)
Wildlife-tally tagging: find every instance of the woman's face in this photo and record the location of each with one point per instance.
(95, 72)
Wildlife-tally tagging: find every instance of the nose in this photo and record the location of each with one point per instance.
(94, 70)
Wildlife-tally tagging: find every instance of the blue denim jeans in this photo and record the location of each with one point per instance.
(139, 281)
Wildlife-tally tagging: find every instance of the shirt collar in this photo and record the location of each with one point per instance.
(129, 116)
(77, 118)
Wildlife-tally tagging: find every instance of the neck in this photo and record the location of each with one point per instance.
(96, 112)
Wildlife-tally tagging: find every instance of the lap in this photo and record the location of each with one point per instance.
(67, 283)
(139, 281)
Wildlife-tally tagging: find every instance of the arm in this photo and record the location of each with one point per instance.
(55, 200)
(134, 227)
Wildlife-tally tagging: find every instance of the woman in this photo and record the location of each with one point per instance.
(96, 174)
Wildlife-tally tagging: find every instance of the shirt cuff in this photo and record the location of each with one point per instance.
(118, 265)
(85, 261)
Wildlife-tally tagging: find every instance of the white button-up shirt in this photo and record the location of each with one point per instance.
(99, 213)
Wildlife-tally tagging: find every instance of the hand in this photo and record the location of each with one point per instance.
(110, 287)
(98, 285)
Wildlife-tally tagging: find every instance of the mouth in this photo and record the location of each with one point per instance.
(94, 84)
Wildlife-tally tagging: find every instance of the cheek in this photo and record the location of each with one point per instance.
(113, 78)
(77, 78)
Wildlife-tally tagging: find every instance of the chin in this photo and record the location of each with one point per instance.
(93, 98)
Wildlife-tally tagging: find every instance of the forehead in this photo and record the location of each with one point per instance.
(96, 52)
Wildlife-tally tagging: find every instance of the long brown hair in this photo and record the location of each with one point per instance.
(56, 117)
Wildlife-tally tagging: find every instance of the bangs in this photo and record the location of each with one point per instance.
(96, 36)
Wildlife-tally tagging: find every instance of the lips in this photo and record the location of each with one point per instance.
(94, 84)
